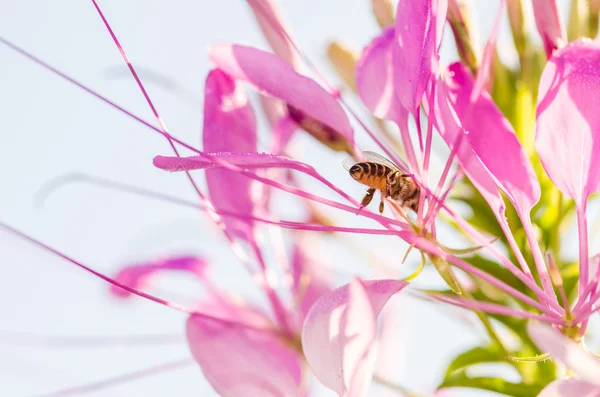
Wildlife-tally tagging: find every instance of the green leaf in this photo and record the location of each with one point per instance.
(493, 384)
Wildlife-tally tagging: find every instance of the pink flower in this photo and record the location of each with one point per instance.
(565, 350)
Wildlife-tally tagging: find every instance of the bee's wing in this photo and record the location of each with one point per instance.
(379, 159)
(349, 162)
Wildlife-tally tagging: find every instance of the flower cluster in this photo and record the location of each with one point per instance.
(522, 143)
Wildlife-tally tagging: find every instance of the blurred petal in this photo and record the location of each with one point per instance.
(276, 77)
(393, 339)
(273, 27)
(309, 278)
(240, 361)
(418, 35)
(568, 121)
(550, 25)
(229, 125)
(243, 160)
(489, 133)
(488, 55)
(137, 276)
(339, 334)
(375, 77)
(570, 388)
(566, 351)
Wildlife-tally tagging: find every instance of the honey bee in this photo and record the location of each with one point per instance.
(378, 173)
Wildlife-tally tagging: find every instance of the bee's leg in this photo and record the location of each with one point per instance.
(381, 206)
(368, 197)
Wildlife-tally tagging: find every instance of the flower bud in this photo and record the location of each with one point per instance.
(549, 23)
(461, 21)
(343, 60)
(594, 14)
(578, 20)
(516, 16)
(384, 12)
(320, 131)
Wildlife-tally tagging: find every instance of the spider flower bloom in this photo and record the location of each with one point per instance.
(398, 73)
(569, 353)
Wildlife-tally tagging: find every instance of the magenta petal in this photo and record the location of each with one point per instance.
(229, 125)
(451, 132)
(415, 45)
(489, 134)
(549, 23)
(568, 121)
(270, 74)
(375, 76)
(339, 334)
(570, 388)
(566, 351)
(137, 276)
(239, 361)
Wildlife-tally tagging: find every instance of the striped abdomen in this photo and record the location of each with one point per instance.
(371, 174)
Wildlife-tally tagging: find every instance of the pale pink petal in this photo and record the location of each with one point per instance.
(489, 134)
(240, 361)
(243, 160)
(416, 43)
(229, 125)
(566, 351)
(568, 121)
(274, 76)
(375, 76)
(310, 280)
(137, 276)
(483, 74)
(273, 27)
(393, 341)
(339, 334)
(550, 25)
(233, 309)
(570, 388)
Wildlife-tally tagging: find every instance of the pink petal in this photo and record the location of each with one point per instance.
(339, 334)
(568, 121)
(489, 134)
(416, 42)
(566, 351)
(243, 160)
(240, 361)
(549, 23)
(229, 125)
(137, 276)
(570, 388)
(276, 77)
(310, 280)
(375, 77)
(273, 27)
